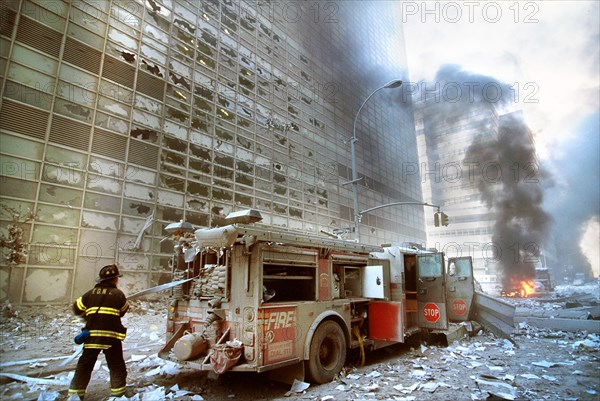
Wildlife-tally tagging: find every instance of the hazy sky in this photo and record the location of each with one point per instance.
(548, 52)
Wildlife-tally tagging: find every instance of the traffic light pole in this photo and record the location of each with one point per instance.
(359, 214)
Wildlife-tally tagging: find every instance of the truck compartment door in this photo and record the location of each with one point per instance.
(386, 322)
(376, 282)
(459, 288)
(279, 326)
(431, 294)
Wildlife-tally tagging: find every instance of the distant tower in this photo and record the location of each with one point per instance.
(444, 132)
(481, 168)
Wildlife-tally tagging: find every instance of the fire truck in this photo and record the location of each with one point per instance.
(257, 298)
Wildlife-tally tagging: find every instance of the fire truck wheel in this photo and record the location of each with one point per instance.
(327, 353)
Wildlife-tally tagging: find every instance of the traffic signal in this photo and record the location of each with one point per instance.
(436, 219)
(444, 218)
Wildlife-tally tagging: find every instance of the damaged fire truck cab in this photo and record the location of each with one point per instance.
(261, 298)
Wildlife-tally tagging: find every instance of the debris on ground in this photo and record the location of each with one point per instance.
(544, 364)
(297, 387)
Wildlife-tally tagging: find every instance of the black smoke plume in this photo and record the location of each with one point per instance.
(507, 172)
(515, 195)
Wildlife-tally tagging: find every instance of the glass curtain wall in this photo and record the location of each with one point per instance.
(120, 117)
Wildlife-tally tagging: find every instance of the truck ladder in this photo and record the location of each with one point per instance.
(285, 236)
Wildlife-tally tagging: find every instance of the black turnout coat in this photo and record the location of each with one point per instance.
(103, 306)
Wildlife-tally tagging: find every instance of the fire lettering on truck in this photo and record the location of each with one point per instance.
(283, 319)
(279, 328)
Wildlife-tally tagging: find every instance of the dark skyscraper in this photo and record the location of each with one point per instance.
(120, 117)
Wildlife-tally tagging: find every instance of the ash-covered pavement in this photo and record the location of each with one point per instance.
(538, 364)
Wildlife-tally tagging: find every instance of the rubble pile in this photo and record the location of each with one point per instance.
(535, 364)
(480, 368)
(569, 308)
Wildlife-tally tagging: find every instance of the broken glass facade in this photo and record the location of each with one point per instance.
(119, 117)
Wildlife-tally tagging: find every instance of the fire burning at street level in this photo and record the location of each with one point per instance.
(523, 289)
(527, 288)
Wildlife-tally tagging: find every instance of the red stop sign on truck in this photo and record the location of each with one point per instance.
(431, 312)
(459, 307)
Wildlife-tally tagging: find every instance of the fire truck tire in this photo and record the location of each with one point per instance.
(327, 353)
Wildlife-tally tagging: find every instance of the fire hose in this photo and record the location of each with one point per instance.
(361, 344)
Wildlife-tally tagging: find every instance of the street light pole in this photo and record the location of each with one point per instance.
(390, 85)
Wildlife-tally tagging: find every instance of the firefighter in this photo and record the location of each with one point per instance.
(102, 307)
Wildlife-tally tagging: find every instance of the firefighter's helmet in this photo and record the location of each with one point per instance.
(108, 272)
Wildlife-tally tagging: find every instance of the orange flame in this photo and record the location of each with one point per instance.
(527, 288)
(523, 289)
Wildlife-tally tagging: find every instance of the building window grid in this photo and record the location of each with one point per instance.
(332, 147)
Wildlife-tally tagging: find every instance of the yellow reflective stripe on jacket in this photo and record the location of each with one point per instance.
(80, 304)
(102, 311)
(125, 307)
(107, 333)
(97, 346)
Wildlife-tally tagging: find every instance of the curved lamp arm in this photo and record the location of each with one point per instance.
(390, 85)
(357, 214)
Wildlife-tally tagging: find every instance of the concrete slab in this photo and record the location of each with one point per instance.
(592, 326)
(573, 313)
